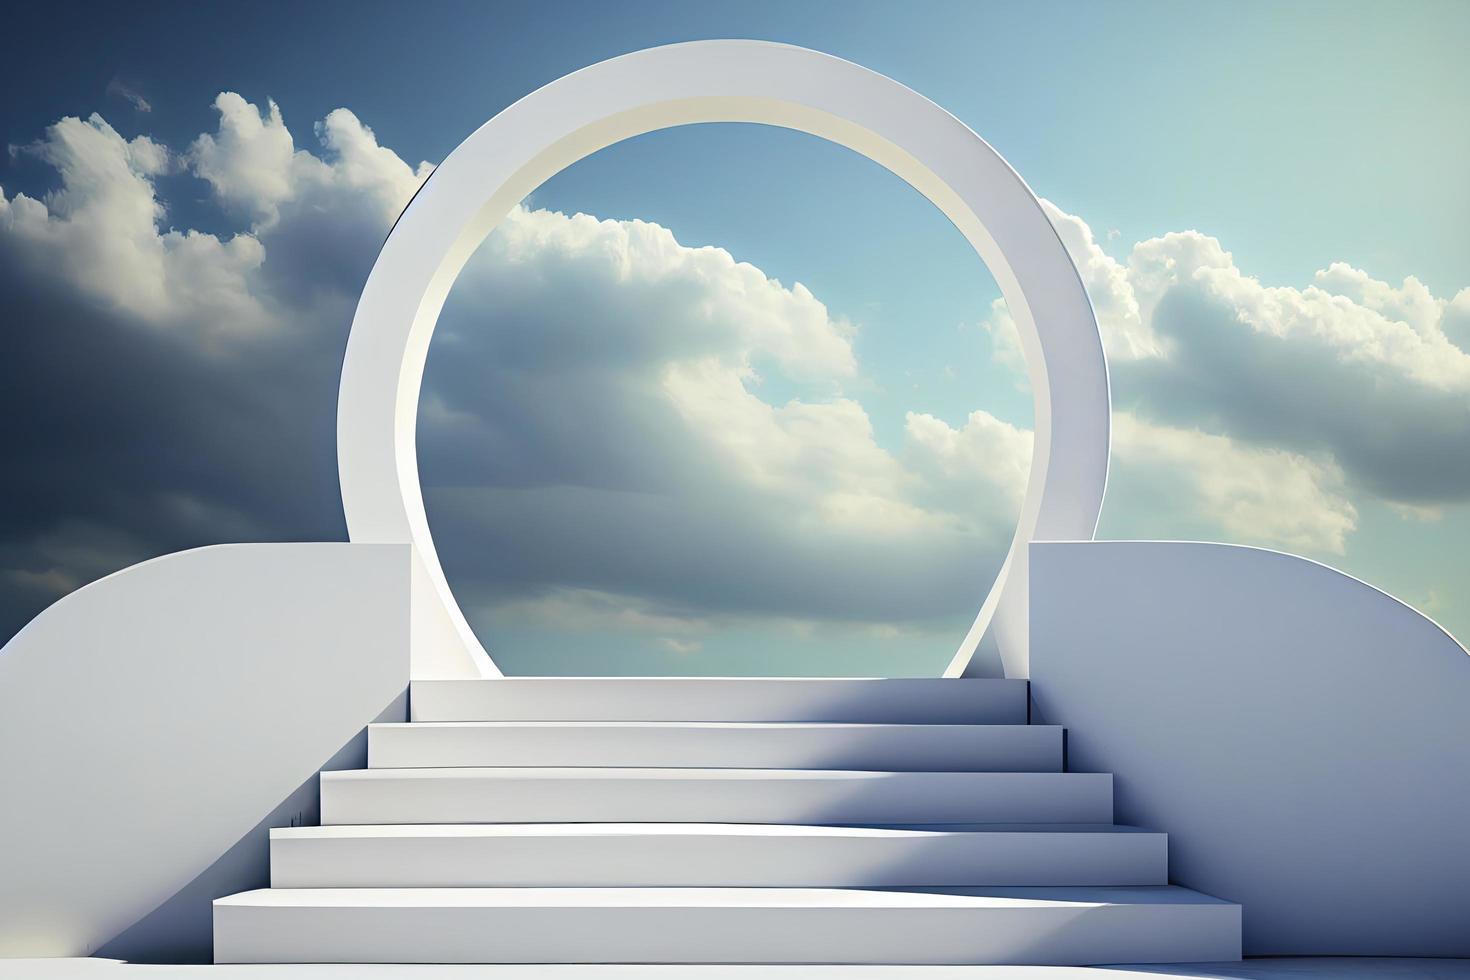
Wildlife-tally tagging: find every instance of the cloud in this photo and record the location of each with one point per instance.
(1185, 483)
(100, 233)
(594, 413)
(589, 611)
(251, 162)
(1128, 335)
(1456, 320)
(177, 387)
(1373, 377)
(253, 165)
(117, 88)
(597, 421)
(621, 433)
(985, 459)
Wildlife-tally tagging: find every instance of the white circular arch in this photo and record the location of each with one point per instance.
(700, 82)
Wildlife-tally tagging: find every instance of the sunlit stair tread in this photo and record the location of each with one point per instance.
(715, 855)
(684, 744)
(785, 796)
(726, 925)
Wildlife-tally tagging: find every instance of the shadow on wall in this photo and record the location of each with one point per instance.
(158, 721)
(1300, 735)
(181, 930)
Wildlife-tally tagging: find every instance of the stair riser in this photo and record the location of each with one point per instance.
(895, 748)
(722, 861)
(888, 798)
(903, 701)
(1079, 935)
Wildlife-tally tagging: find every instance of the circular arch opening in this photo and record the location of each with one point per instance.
(699, 82)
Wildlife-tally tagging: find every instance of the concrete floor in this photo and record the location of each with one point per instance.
(1318, 968)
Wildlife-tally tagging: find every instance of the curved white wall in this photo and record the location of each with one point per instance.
(153, 719)
(1303, 737)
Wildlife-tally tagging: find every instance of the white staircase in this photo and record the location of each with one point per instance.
(683, 820)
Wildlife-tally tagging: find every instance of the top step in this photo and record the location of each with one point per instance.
(886, 700)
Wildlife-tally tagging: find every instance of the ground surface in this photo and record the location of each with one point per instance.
(1346, 968)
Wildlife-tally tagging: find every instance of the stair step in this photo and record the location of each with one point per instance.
(724, 925)
(717, 745)
(766, 796)
(714, 855)
(918, 700)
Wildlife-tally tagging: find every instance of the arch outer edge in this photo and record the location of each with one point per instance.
(698, 82)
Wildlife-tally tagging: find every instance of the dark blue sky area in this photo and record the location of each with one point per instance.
(1300, 133)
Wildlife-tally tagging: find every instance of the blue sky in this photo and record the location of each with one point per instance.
(1336, 120)
(1292, 136)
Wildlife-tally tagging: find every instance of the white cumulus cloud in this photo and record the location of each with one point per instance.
(1205, 485)
(601, 439)
(1375, 378)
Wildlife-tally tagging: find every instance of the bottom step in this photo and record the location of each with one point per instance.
(1055, 926)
